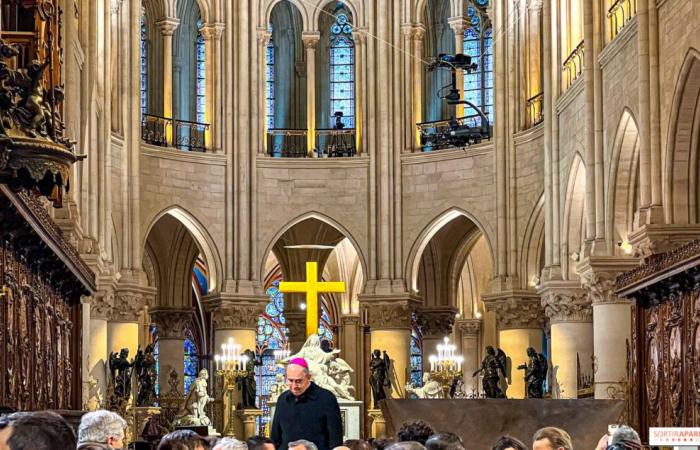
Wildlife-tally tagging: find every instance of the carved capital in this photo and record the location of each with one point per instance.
(598, 275)
(168, 25)
(128, 306)
(359, 36)
(567, 305)
(388, 316)
(101, 306)
(264, 36)
(350, 320)
(242, 316)
(469, 327)
(436, 322)
(418, 33)
(171, 322)
(458, 24)
(212, 31)
(516, 310)
(534, 6)
(310, 39)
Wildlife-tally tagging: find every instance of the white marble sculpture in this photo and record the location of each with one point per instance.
(193, 411)
(430, 389)
(279, 387)
(327, 369)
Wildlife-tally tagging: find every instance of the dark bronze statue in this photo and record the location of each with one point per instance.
(120, 369)
(379, 367)
(246, 383)
(535, 373)
(145, 365)
(494, 367)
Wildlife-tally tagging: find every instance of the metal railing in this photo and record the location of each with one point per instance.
(336, 142)
(619, 15)
(287, 143)
(535, 112)
(572, 66)
(166, 132)
(437, 134)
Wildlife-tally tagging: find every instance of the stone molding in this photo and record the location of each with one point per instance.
(101, 306)
(350, 320)
(237, 316)
(598, 275)
(566, 303)
(458, 24)
(128, 306)
(534, 5)
(264, 36)
(212, 31)
(516, 310)
(168, 25)
(469, 327)
(310, 39)
(436, 322)
(171, 322)
(652, 239)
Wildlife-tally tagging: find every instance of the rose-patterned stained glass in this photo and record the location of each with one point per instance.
(342, 68)
(200, 65)
(144, 65)
(416, 358)
(270, 84)
(478, 43)
(191, 363)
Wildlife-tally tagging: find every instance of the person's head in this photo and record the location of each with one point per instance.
(490, 350)
(381, 443)
(260, 443)
(551, 438)
(426, 377)
(623, 436)
(509, 443)
(531, 351)
(204, 373)
(357, 444)
(415, 430)
(183, 440)
(102, 427)
(406, 445)
(377, 353)
(302, 444)
(298, 376)
(444, 441)
(229, 443)
(38, 430)
(341, 447)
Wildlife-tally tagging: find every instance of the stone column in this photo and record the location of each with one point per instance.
(264, 36)
(123, 327)
(351, 347)
(612, 322)
(212, 33)
(519, 319)
(296, 324)
(310, 39)
(167, 27)
(436, 324)
(170, 323)
(417, 106)
(470, 330)
(459, 26)
(95, 346)
(569, 311)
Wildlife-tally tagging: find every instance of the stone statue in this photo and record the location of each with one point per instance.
(120, 369)
(430, 389)
(246, 384)
(193, 412)
(494, 368)
(320, 363)
(145, 364)
(379, 367)
(279, 387)
(535, 373)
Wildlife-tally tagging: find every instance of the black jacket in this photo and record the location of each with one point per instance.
(314, 416)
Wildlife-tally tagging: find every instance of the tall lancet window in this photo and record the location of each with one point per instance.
(478, 43)
(144, 65)
(342, 68)
(270, 84)
(200, 64)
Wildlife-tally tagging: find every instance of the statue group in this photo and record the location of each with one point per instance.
(494, 367)
(535, 373)
(121, 369)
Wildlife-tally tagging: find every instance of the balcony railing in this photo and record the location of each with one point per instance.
(619, 15)
(336, 142)
(166, 132)
(458, 132)
(287, 143)
(535, 113)
(572, 66)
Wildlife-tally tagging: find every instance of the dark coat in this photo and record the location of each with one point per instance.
(314, 416)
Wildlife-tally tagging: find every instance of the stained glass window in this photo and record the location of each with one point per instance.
(416, 349)
(478, 43)
(342, 69)
(154, 339)
(191, 360)
(270, 84)
(144, 65)
(201, 75)
(325, 331)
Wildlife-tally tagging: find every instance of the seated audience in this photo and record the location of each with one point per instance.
(551, 438)
(228, 443)
(302, 444)
(357, 444)
(101, 430)
(509, 443)
(39, 430)
(183, 440)
(623, 438)
(381, 443)
(260, 443)
(415, 430)
(444, 441)
(406, 445)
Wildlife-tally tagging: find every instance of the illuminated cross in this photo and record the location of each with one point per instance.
(311, 287)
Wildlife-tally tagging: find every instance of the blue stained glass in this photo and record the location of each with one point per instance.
(478, 85)
(270, 81)
(144, 65)
(191, 361)
(342, 68)
(416, 355)
(201, 75)
(154, 339)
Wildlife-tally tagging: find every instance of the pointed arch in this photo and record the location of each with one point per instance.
(318, 11)
(574, 220)
(531, 252)
(266, 7)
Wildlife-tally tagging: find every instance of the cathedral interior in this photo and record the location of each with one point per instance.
(167, 165)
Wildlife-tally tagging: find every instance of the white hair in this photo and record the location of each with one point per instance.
(99, 426)
(308, 445)
(625, 433)
(228, 443)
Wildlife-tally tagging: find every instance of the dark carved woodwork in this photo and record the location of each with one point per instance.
(664, 367)
(41, 282)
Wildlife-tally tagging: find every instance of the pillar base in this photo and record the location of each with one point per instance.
(378, 424)
(249, 419)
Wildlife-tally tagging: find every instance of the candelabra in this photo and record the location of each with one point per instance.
(230, 365)
(282, 354)
(446, 366)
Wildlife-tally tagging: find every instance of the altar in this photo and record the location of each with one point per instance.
(350, 414)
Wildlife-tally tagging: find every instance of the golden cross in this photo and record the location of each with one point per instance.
(311, 287)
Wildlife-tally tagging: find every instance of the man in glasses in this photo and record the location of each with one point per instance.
(306, 412)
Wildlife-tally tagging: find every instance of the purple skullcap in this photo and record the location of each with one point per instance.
(299, 362)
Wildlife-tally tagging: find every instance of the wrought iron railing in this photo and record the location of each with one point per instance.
(572, 66)
(619, 15)
(446, 133)
(155, 129)
(182, 134)
(336, 142)
(287, 143)
(535, 113)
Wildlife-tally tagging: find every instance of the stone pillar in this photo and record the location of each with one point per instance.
(310, 39)
(95, 346)
(359, 39)
(417, 106)
(519, 319)
(612, 322)
(123, 327)
(351, 347)
(264, 36)
(569, 311)
(296, 324)
(167, 27)
(435, 324)
(212, 48)
(378, 423)
(470, 330)
(171, 323)
(459, 26)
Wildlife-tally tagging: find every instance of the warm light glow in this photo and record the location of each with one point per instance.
(478, 315)
(447, 359)
(626, 247)
(302, 306)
